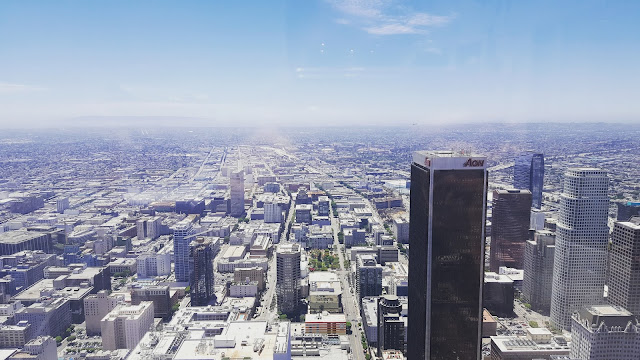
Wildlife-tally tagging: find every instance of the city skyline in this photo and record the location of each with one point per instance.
(338, 62)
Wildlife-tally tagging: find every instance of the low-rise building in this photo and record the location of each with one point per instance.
(325, 323)
(250, 274)
(40, 348)
(14, 336)
(325, 292)
(49, 317)
(123, 266)
(498, 294)
(159, 295)
(525, 348)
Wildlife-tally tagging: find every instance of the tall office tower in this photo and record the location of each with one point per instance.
(605, 332)
(580, 261)
(627, 210)
(272, 212)
(368, 275)
(446, 267)
(62, 204)
(390, 324)
(528, 173)
(288, 290)
(182, 235)
(624, 271)
(201, 264)
(236, 185)
(509, 227)
(538, 270)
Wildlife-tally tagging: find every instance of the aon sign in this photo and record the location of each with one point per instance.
(474, 163)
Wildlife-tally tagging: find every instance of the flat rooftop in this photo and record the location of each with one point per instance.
(33, 293)
(325, 317)
(19, 236)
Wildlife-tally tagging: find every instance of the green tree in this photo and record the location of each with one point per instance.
(58, 339)
(533, 324)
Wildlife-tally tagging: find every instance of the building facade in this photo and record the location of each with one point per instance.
(605, 333)
(236, 193)
(446, 260)
(159, 295)
(390, 324)
(95, 308)
(509, 227)
(528, 173)
(368, 275)
(201, 264)
(182, 235)
(624, 266)
(538, 270)
(582, 234)
(288, 290)
(125, 325)
(627, 210)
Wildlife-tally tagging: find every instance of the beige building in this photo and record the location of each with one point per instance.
(241, 275)
(125, 325)
(14, 336)
(97, 307)
(325, 292)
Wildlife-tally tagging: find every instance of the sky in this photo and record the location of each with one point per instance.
(318, 62)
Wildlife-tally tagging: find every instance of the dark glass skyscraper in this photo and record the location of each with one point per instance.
(528, 174)
(509, 227)
(201, 264)
(446, 265)
(390, 324)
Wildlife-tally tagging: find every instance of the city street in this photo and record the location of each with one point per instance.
(349, 299)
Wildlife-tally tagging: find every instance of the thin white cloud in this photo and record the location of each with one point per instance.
(360, 8)
(393, 29)
(383, 17)
(10, 88)
(424, 19)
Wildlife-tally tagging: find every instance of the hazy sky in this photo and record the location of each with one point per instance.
(320, 62)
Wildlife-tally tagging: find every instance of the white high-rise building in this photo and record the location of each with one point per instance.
(125, 325)
(272, 213)
(182, 236)
(582, 235)
(236, 185)
(605, 332)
